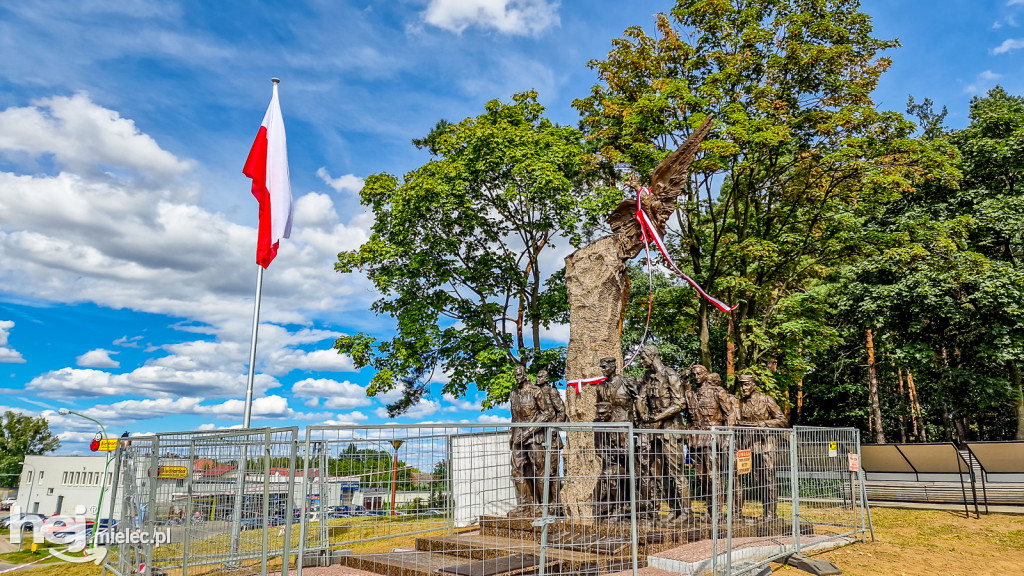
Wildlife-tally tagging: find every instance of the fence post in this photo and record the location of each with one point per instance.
(631, 459)
(864, 508)
(186, 517)
(289, 504)
(794, 486)
(545, 501)
(731, 475)
(715, 480)
(266, 503)
(150, 513)
(115, 481)
(303, 522)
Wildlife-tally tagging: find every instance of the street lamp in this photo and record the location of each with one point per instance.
(103, 479)
(31, 485)
(394, 473)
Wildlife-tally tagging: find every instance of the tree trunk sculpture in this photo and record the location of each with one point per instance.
(598, 286)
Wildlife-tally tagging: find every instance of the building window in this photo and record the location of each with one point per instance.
(41, 474)
(49, 491)
(64, 479)
(28, 476)
(110, 478)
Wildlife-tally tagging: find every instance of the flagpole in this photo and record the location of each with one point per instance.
(252, 348)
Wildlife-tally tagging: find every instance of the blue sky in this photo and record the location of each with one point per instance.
(127, 231)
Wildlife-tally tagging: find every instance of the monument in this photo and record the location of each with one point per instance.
(760, 411)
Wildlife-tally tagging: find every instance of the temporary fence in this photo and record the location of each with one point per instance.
(449, 499)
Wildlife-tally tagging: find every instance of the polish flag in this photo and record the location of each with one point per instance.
(267, 165)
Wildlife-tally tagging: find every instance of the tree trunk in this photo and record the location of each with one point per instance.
(597, 285)
(705, 336)
(1015, 379)
(876, 409)
(730, 353)
(903, 416)
(915, 406)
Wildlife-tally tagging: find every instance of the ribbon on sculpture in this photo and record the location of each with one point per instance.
(650, 234)
(579, 384)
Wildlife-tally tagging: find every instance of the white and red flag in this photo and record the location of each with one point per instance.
(267, 165)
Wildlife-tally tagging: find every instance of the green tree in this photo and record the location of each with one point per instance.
(992, 147)
(22, 436)
(941, 289)
(458, 251)
(777, 195)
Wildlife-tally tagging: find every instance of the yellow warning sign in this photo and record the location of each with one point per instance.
(833, 449)
(177, 472)
(108, 445)
(743, 462)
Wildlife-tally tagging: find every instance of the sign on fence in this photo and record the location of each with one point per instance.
(854, 461)
(743, 462)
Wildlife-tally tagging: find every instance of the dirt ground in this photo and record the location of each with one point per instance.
(933, 543)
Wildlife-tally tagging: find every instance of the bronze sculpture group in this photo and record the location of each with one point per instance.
(662, 400)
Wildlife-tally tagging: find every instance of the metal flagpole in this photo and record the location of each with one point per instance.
(252, 349)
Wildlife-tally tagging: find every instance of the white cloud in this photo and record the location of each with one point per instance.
(461, 403)
(512, 17)
(83, 136)
(1009, 45)
(8, 355)
(98, 358)
(347, 419)
(425, 407)
(336, 395)
(128, 411)
(493, 419)
(984, 81)
(149, 380)
(1015, 2)
(127, 342)
(349, 183)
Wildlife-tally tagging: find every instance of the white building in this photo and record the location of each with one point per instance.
(57, 484)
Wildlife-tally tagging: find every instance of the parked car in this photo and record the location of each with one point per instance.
(62, 531)
(28, 521)
(256, 523)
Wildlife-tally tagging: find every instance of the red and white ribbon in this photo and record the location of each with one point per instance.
(649, 234)
(579, 384)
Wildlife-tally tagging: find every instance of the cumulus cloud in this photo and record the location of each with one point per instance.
(1009, 45)
(98, 358)
(425, 407)
(512, 17)
(493, 419)
(92, 233)
(337, 395)
(127, 411)
(457, 404)
(984, 81)
(149, 380)
(349, 183)
(82, 136)
(7, 354)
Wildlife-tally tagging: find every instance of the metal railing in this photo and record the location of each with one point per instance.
(549, 498)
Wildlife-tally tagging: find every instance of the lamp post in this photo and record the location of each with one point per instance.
(103, 478)
(31, 485)
(394, 473)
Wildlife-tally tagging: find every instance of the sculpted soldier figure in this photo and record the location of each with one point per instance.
(760, 410)
(554, 400)
(710, 405)
(529, 403)
(611, 494)
(659, 406)
(618, 395)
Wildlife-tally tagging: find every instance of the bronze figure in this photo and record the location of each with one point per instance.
(611, 493)
(529, 403)
(660, 404)
(554, 400)
(709, 405)
(761, 411)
